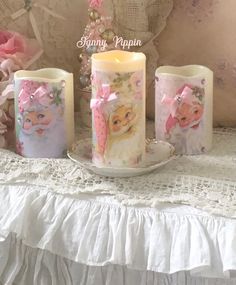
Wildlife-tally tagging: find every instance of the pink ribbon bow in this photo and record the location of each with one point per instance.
(104, 96)
(40, 96)
(186, 96)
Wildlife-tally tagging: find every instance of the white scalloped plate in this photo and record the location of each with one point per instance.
(158, 154)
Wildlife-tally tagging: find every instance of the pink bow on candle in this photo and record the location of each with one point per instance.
(184, 95)
(40, 96)
(104, 96)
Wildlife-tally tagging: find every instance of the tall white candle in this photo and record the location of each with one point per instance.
(118, 108)
(184, 107)
(44, 107)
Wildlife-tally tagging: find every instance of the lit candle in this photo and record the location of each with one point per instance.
(184, 107)
(118, 108)
(44, 107)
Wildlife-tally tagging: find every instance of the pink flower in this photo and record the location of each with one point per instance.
(11, 43)
(95, 3)
(21, 50)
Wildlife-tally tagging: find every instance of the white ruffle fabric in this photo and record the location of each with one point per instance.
(27, 266)
(102, 233)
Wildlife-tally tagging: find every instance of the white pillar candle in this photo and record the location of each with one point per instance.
(44, 107)
(184, 107)
(118, 108)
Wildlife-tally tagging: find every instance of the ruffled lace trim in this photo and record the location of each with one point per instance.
(98, 234)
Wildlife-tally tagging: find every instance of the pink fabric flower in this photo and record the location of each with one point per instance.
(21, 50)
(11, 43)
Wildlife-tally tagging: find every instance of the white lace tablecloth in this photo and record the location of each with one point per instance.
(60, 224)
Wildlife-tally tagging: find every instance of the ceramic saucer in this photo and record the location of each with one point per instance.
(158, 153)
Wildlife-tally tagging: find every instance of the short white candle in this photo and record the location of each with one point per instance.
(184, 107)
(44, 105)
(118, 108)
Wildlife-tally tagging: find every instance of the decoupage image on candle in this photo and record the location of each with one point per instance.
(117, 113)
(40, 129)
(183, 117)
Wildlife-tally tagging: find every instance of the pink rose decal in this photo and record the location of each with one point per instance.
(136, 82)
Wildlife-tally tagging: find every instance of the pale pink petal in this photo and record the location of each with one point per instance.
(8, 93)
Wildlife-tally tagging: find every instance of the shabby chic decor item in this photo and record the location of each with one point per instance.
(44, 112)
(118, 108)
(184, 98)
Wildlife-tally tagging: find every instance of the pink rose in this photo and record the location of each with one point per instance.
(11, 43)
(21, 50)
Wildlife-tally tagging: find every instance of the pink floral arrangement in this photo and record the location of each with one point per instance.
(16, 52)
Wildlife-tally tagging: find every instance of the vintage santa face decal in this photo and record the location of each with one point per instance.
(40, 124)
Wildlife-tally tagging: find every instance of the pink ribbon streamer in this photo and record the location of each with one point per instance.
(104, 96)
